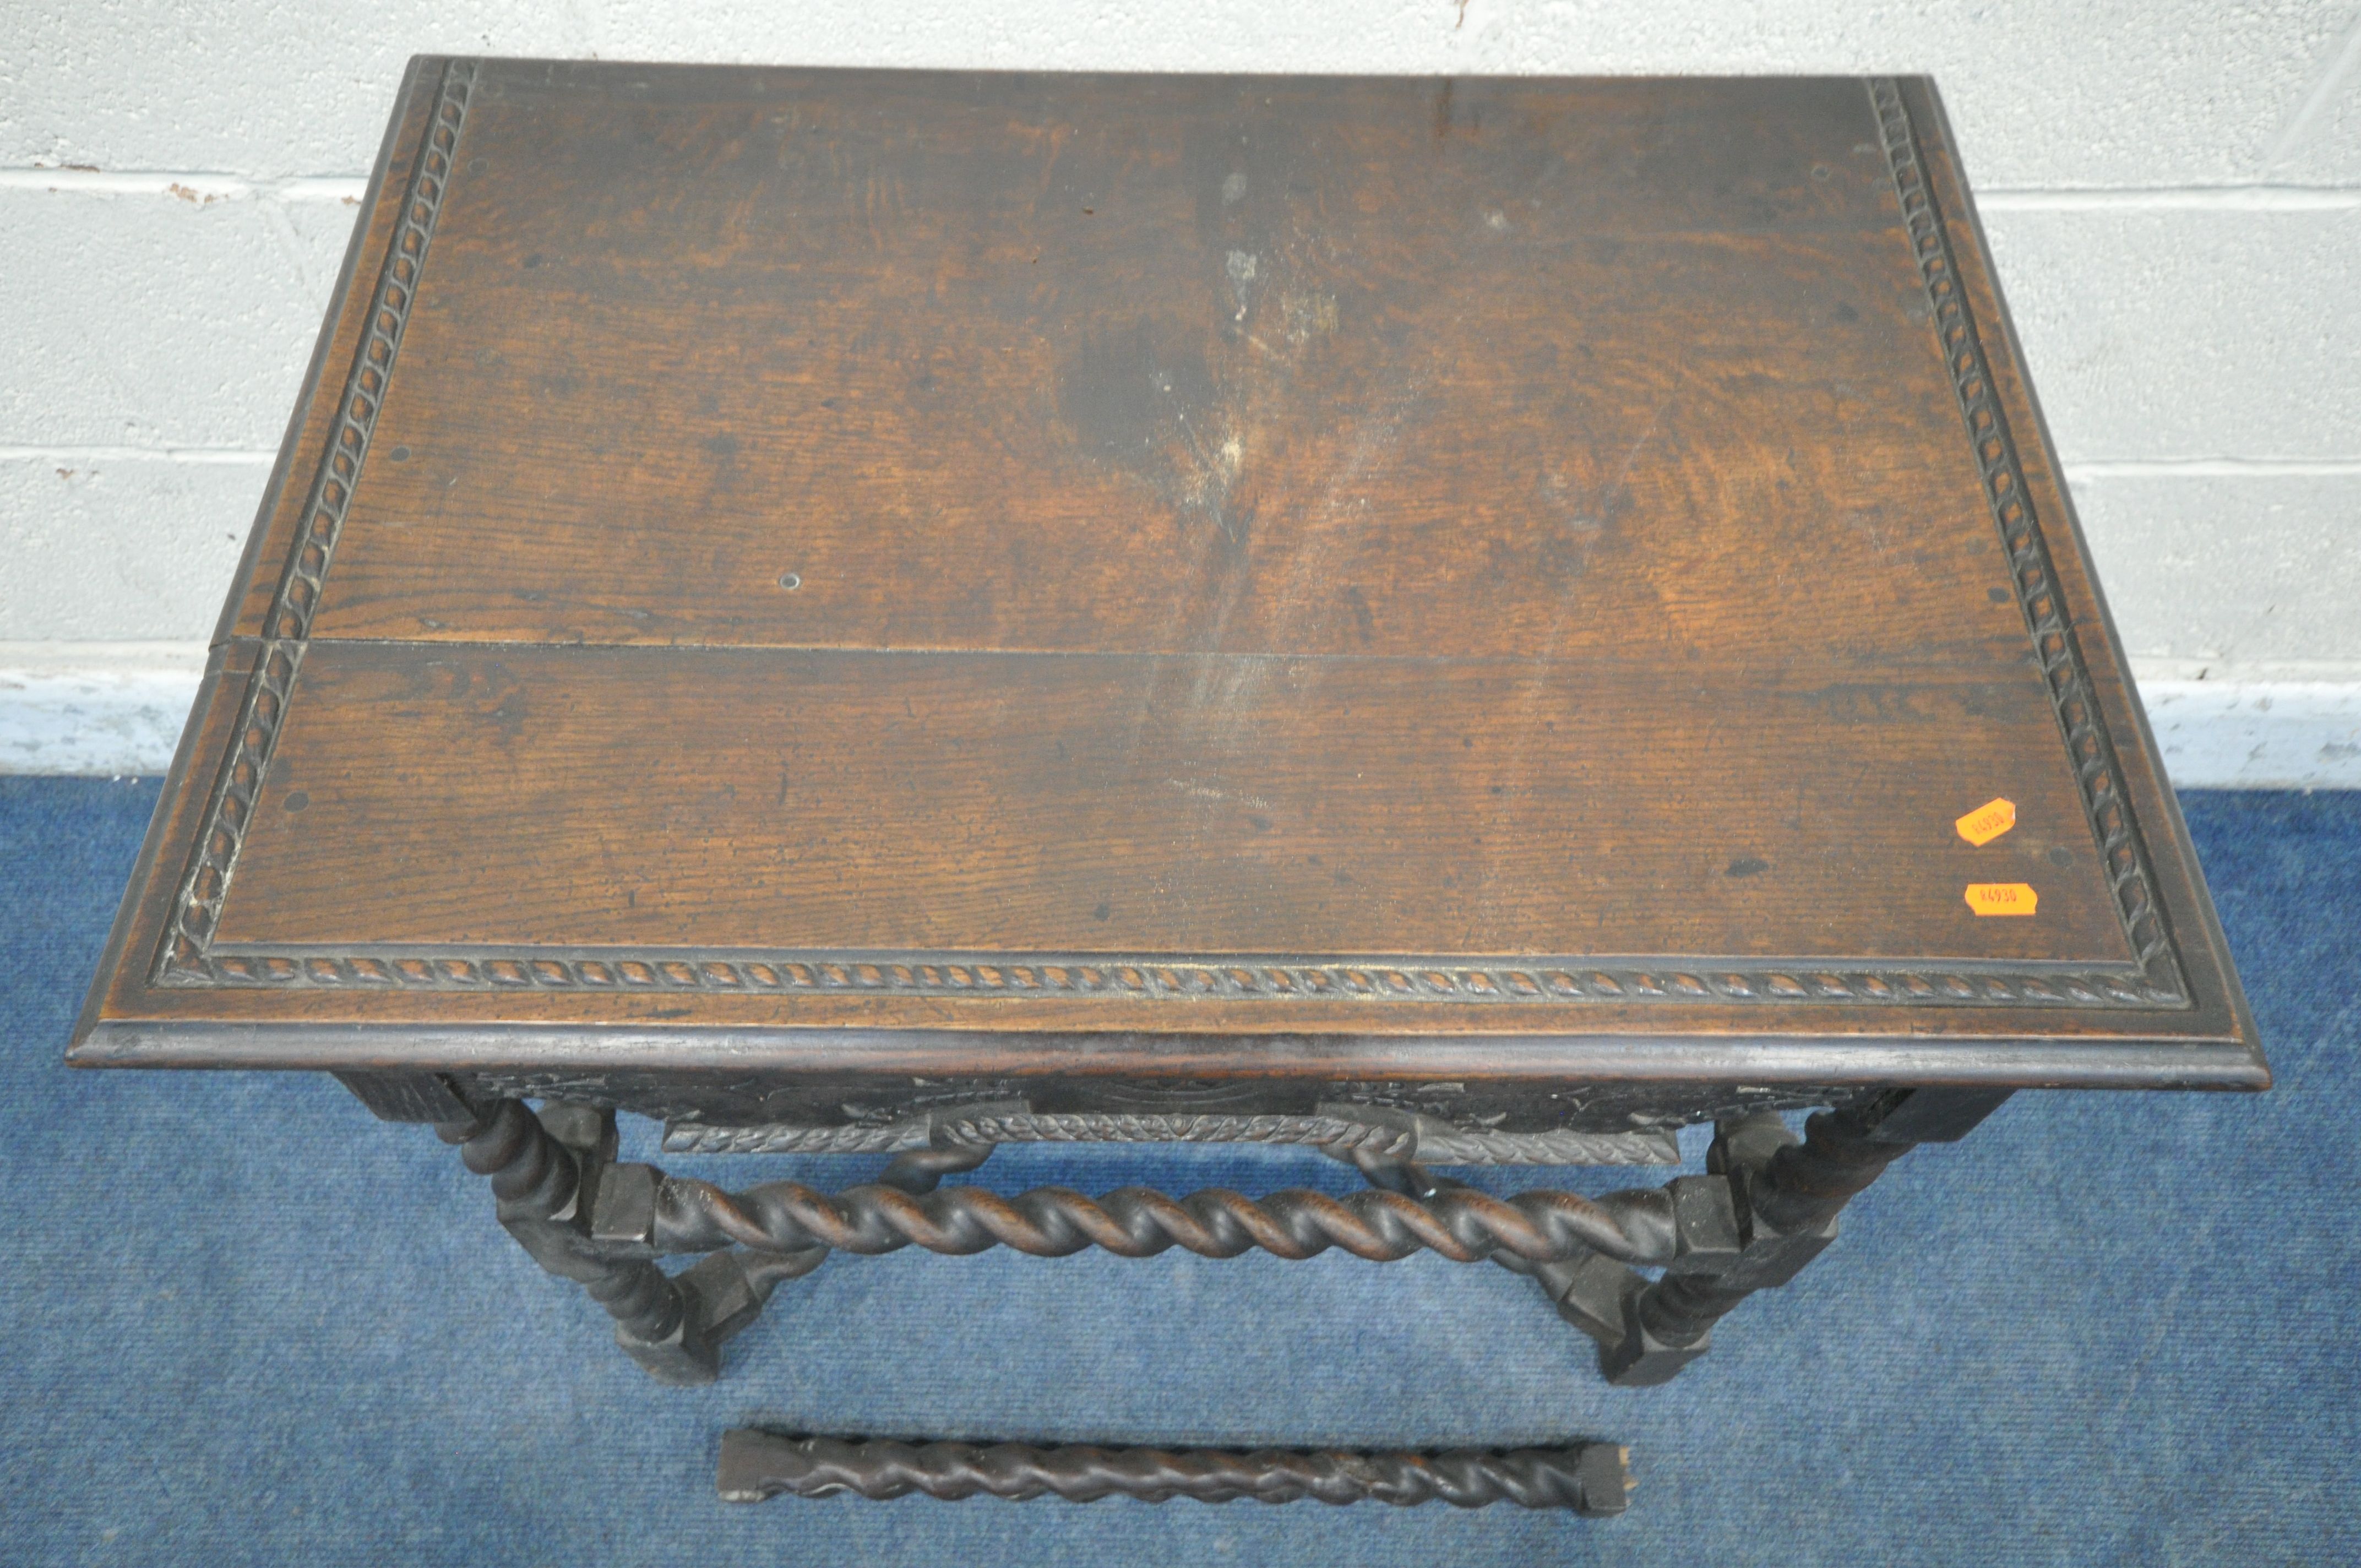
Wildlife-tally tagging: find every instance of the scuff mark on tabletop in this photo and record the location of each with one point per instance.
(1208, 791)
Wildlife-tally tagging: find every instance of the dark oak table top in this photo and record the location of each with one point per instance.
(804, 569)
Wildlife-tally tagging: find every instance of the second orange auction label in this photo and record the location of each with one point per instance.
(2002, 898)
(1987, 821)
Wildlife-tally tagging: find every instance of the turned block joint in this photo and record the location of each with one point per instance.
(1707, 1234)
(624, 1211)
(686, 1357)
(1636, 1359)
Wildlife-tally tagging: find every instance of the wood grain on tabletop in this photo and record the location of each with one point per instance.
(879, 511)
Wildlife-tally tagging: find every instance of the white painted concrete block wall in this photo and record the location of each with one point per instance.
(2172, 188)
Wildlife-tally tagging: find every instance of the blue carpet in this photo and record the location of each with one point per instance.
(245, 1323)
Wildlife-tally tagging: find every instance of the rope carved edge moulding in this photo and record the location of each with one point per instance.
(213, 861)
(188, 957)
(1494, 981)
(2097, 770)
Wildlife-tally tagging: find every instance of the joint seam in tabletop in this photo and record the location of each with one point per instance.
(188, 958)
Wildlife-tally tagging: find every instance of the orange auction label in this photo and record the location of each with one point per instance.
(1987, 822)
(2002, 898)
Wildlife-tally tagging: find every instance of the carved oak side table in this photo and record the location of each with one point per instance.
(1450, 621)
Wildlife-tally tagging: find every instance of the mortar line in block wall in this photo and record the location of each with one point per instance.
(2215, 468)
(61, 453)
(195, 187)
(2170, 199)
